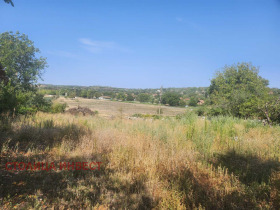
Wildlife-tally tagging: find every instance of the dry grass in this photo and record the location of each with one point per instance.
(109, 108)
(186, 163)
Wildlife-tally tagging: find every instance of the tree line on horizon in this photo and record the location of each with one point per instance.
(171, 96)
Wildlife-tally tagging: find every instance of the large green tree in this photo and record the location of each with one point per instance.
(23, 68)
(171, 98)
(240, 91)
(144, 97)
(193, 101)
(19, 57)
(129, 97)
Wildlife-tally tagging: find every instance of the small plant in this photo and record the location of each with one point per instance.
(137, 115)
(202, 111)
(58, 108)
(48, 124)
(5, 122)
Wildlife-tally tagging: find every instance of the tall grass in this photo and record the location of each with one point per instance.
(185, 162)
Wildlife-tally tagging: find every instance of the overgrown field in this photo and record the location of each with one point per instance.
(107, 108)
(185, 162)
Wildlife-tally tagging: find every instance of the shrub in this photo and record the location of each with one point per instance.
(171, 98)
(182, 103)
(193, 101)
(137, 115)
(187, 117)
(215, 111)
(144, 97)
(155, 117)
(58, 108)
(202, 111)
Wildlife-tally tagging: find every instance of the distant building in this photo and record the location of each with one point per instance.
(200, 102)
(104, 98)
(185, 99)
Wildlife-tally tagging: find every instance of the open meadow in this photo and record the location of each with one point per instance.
(165, 105)
(108, 108)
(183, 162)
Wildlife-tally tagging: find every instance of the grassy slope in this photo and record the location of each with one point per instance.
(186, 163)
(114, 108)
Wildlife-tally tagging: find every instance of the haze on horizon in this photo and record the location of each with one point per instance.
(148, 44)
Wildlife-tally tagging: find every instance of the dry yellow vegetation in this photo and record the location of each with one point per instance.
(185, 162)
(109, 108)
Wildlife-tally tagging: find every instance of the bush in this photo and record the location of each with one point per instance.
(129, 97)
(171, 98)
(58, 108)
(182, 103)
(144, 97)
(154, 116)
(5, 123)
(40, 103)
(202, 111)
(215, 111)
(193, 101)
(188, 116)
(16, 102)
(137, 115)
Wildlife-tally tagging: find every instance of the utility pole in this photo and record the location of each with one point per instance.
(160, 95)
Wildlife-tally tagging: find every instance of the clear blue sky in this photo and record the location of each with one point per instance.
(148, 43)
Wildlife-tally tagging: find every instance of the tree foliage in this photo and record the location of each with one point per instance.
(130, 97)
(171, 98)
(22, 69)
(121, 96)
(144, 97)
(193, 101)
(17, 101)
(19, 57)
(240, 91)
(9, 2)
